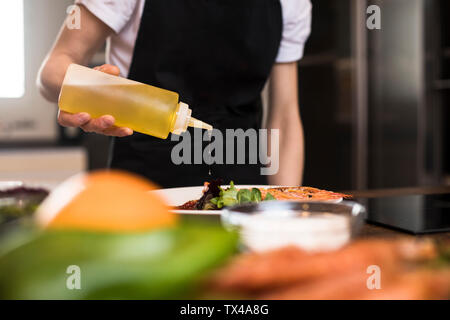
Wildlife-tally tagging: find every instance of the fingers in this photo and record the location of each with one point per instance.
(109, 68)
(118, 131)
(98, 124)
(105, 125)
(73, 120)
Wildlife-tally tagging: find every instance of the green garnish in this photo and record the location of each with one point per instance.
(232, 196)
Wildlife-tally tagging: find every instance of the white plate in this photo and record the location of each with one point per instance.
(178, 196)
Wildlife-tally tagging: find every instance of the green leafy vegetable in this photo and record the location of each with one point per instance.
(232, 196)
(244, 196)
(227, 197)
(160, 264)
(256, 195)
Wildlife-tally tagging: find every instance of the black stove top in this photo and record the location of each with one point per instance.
(412, 213)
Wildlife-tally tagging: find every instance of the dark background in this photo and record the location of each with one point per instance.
(399, 135)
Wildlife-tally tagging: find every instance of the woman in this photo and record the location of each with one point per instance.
(216, 54)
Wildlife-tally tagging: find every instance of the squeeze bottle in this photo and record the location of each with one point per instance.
(143, 108)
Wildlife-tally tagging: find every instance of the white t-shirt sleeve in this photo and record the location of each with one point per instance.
(296, 29)
(114, 13)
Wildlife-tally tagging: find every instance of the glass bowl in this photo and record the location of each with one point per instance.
(312, 226)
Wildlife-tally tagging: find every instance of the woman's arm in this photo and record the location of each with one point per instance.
(77, 46)
(71, 46)
(284, 115)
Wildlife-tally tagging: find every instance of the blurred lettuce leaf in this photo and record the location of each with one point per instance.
(163, 264)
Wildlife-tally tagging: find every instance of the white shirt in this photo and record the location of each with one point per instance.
(124, 18)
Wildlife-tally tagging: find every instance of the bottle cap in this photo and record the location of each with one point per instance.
(184, 120)
(183, 115)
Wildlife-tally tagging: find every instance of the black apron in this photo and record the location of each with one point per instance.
(217, 54)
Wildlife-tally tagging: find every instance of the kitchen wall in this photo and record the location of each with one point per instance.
(30, 117)
(29, 135)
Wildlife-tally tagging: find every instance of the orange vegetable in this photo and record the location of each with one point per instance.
(110, 201)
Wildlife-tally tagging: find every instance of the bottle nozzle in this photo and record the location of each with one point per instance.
(199, 124)
(183, 120)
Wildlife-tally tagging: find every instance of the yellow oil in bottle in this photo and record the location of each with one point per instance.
(143, 108)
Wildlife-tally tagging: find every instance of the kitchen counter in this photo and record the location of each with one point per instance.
(370, 230)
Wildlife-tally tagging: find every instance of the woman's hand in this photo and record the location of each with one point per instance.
(103, 125)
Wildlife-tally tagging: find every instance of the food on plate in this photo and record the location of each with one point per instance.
(105, 201)
(408, 270)
(20, 202)
(215, 197)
